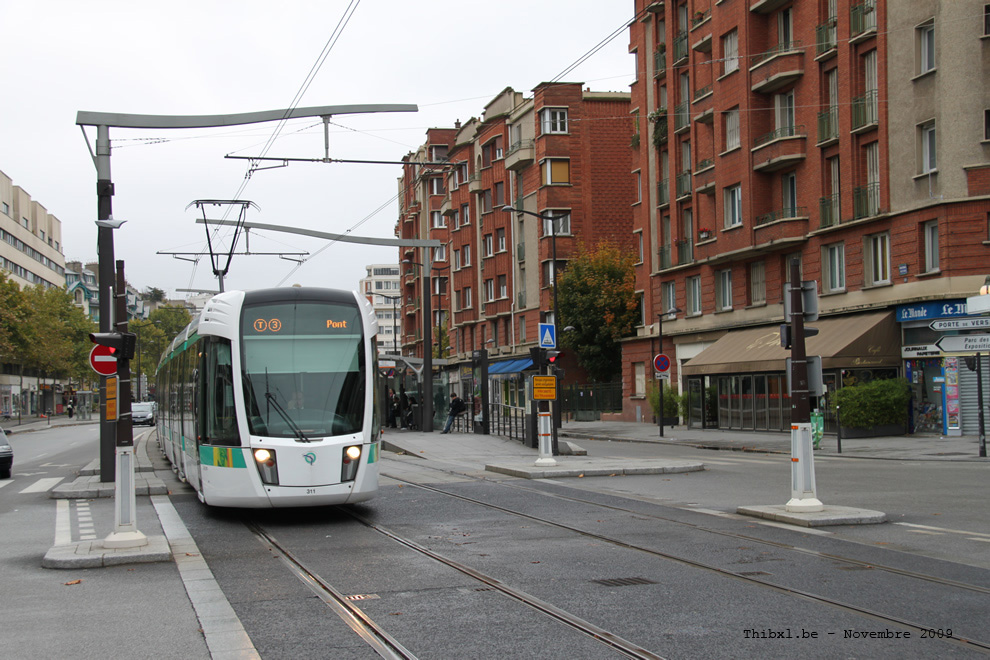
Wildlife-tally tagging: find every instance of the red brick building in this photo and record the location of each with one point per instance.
(563, 151)
(773, 130)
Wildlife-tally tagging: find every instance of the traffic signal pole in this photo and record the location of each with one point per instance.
(104, 246)
(803, 495)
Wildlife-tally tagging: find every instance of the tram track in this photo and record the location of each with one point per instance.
(803, 594)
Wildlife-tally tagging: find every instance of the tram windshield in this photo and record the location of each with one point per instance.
(303, 369)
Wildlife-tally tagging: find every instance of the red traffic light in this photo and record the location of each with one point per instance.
(552, 356)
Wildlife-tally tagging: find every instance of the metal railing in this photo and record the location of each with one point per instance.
(828, 125)
(782, 132)
(683, 184)
(865, 110)
(591, 399)
(862, 17)
(705, 164)
(663, 193)
(685, 251)
(704, 91)
(828, 211)
(519, 144)
(866, 201)
(507, 421)
(664, 254)
(826, 37)
(659, 61)
(782, 214)
(680, 46)
(682, 116)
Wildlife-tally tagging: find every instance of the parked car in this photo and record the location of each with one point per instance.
(143, 413)
(6, 456)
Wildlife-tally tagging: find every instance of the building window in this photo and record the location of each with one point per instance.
(556, 222)
(549, 272)
(639, 186)
(732, 129)
(500, 240)
(499, 195)
(668, 296)
(489, 290)
(436, 185)
(785, 28)
(723, 290)
(730, 52)
(457, 260)
(784, 105)
(553, 120)
(6, 208)
(732, 214)
(834, 264)
(692, 286)
(986, 124)
(486, 201)
(639, 238)
(925, 39)
(878, 259)
(438, 152)
(466, 298)
(639, 371)
(555, 171)
(440, 253)
(788, 187)
(503, 287)
(757, 283)
(465, 214)
(466, 255)
(461, 173)
(437, 220)
(927, 161)
(930, 230)
(487, 245)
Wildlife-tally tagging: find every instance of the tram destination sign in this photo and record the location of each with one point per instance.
(963, 343)
(960, 324)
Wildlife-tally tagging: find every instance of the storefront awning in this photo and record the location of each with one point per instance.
(854, 341)
(509, 366)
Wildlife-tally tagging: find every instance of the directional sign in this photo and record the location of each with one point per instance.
(960, 324)
(661, 362)
(548, 335)
(963, 343)
(102, 361)
(544, 388)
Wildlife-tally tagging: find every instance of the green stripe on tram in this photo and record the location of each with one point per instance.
(232, 457)
(373, 452)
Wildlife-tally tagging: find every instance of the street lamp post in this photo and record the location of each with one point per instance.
(672, 310)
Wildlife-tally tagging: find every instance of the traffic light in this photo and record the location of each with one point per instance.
(552, 357)
(121, 344)
(539, 357)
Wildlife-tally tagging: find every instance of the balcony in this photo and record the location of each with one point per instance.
(660, 62)
(826, 38)
(685, 251)
(778, 67)
(779, 149)
(682, 117)
(704, 177)
(866, 201)
(828, 211)
(655, 7)
(704, 104)
(474, 183)
(766, 6)
(865, 112)
(862, 21)
(664, 257)
(659, 120)
(683, 185)
(663, 193)
(790, 213)
(680, 47)
(445, 206)
(828, 127)
(519, 155)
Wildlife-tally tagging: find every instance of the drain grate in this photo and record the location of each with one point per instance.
(362, 597)
(623, 582)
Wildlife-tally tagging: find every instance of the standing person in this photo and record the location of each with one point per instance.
(70, 406)
(403, 405)
(393, 408)
(456, 408)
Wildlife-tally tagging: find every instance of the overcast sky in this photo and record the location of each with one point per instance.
(449, 57)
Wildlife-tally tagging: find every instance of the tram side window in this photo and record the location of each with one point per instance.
(219, 414)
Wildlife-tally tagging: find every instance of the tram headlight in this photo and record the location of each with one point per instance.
(350, 461)
(267, 465)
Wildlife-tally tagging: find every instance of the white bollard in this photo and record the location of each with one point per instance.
(125, 533)
(803, 496)
(545, 432)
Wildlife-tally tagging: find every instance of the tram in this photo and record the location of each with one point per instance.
(268, 399)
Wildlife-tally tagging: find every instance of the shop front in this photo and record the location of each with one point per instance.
(740, 382)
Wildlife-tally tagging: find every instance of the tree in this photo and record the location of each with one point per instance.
(597, 296)
(55, 333)
(154, 294)
(12, 318)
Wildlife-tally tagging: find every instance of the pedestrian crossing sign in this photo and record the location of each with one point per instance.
(548, 335)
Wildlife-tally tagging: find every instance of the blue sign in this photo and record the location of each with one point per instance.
(936, 309)
(548, 335)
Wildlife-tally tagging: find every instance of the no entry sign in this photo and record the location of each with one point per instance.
(102, 361)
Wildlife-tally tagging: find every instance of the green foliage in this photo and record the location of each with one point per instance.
(877, 403)
(155, 334)
(55, 333)
(673, 403)
(597, 296)
(12, 313)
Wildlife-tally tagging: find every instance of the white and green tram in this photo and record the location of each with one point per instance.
(268, 399)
